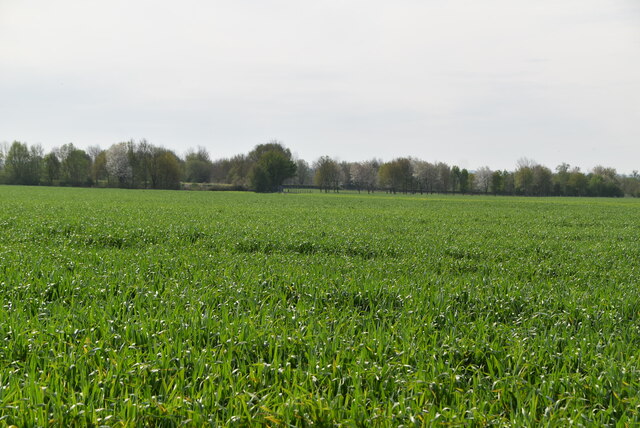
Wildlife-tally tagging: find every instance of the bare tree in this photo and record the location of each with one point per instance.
(605, 172)
(304, 175)
(365, 175)
(346, 181)
(93, 152)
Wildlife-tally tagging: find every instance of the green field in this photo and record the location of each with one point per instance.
(158, 308)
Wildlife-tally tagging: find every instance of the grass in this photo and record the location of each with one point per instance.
(134, 308)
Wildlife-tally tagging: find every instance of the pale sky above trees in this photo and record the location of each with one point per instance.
(464, 82)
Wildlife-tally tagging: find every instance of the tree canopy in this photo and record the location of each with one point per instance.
(270, 166)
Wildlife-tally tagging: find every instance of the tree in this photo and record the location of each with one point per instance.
(220, 170)
(133, 162)
(327, 174)
(542, 183)
(142, 157)
(424, 175)
(273, 145)
(631, 184)
(497, 182)
(365, 175)
(604, 182)
(99, 168)
(93, 151)
(3, 154)
(272, 168)
(3, 151)
(36, 163)
(77, 168)
(397, 175)
(271, 165)
(605, 172)
(346, 181)
(464, 181)
(455, 178)
(259, 179)
(52, 168)
(482, 181)
(239, 169)
(524, 176)
(198, 166)
(561, 179)
(118, 166)
(75, 165)
(304, 173)
(19, 166)
(577, 183)
(164, 169)
(442, 177)
(508, 182)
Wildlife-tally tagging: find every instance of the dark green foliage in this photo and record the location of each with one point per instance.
(165, 170)
(272, 165)
(76, 168)
(23, 166)
(259, 179)
(464, 181)
(604, 186)
(198, 166)
(52, 168)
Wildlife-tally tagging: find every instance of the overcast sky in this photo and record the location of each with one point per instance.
(466, 82)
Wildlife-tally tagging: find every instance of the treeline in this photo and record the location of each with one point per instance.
(270, 167)
(142, 165)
